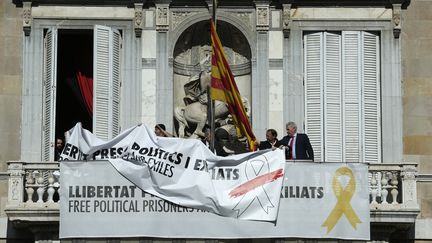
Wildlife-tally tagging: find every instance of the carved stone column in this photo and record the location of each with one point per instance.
(16, 183)
(409, 186)
(27, 17)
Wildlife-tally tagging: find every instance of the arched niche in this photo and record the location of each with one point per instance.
(191, 65)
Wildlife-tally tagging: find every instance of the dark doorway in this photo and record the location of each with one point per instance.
(74, 56)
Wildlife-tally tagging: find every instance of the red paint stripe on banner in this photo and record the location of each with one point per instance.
(256, 182)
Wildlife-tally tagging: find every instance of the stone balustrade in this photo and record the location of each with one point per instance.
(34, 191)
(393, 186)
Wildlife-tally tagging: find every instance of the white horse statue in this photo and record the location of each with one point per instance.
(194, 113)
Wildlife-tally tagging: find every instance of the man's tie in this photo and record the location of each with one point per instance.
(291, 148)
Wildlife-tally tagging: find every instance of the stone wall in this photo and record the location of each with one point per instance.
(417, 103)
(10, 96)
(10, 81)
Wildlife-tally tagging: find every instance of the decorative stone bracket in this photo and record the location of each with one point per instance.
(27, 18)
(162, 17)
(397, 20)
(286, 20)
(138, 19)
(262, 17)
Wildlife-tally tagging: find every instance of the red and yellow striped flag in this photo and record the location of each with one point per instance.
(224, 88)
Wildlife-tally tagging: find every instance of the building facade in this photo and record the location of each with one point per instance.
(352, 74)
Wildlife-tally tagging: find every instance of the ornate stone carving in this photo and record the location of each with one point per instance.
(178, 16)
(27, 18)
(162, 17)
(409, 188)
(262, 21)
(286, 19)
(397, 19)
(246, 18)
(16, 172)
(15, 189)
(138, 19)
(409, 172)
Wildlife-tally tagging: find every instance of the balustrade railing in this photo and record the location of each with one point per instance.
(35, 185)
(392, 186)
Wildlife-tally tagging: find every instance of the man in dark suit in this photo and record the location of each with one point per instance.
(298, 144)
(271, 140)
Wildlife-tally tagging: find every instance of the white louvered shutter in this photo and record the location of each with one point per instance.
(313, 57)
(351, 66)
(116, 49)
(106, 72)
(49, 94)
(332, 98)
(371, 98)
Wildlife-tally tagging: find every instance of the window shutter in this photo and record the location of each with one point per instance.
(106, 71)
(371, 98)
(351, 95)
(313, 44)
(333, 98)
(115, 125)
(343, 120)
(49, 93)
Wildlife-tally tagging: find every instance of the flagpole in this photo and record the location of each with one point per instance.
(211, 104)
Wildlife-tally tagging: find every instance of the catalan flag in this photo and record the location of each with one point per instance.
(224, 88)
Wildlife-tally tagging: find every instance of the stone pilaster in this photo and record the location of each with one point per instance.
(164, 96)
(260, 81)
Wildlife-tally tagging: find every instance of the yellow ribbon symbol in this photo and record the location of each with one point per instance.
(343, 196)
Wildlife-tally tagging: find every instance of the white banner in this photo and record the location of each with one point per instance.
(186, 172)
(317, 201)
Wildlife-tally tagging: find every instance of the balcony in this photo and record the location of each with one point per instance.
(33, 197)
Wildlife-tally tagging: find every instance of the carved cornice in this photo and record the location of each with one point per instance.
(127, 3)
(130, 3)
(342, 3)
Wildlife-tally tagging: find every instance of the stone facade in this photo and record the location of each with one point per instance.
(157, 28)
(417, 103)
(11, 23)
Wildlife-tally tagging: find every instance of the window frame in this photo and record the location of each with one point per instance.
(390, 75)
(345, 100)
(32, 127)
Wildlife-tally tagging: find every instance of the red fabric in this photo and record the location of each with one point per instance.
(86, 87)
(224, 88)
(291, 148)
